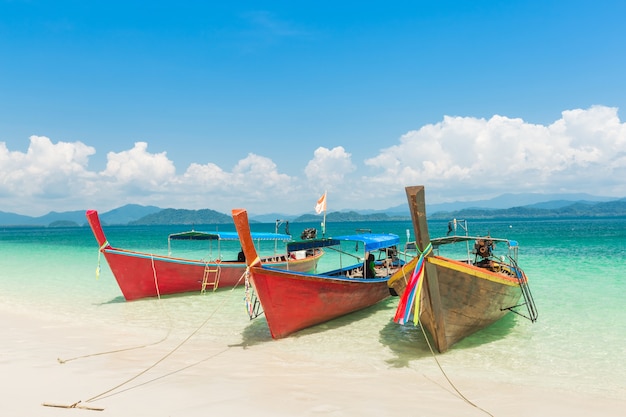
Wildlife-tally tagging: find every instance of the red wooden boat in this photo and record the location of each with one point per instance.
(140, 274)
(292, 301)
(454, 299)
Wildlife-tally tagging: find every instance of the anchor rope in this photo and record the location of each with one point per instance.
(109, 392)
(432, 352)
(418, 322)
(156, 280)
(160, 304)
(107, 395)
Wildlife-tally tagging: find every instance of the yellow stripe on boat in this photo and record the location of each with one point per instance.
(474, 271)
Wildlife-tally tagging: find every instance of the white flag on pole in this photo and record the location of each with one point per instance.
(321, 204)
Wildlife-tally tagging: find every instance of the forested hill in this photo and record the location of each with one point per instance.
(150, 215)
(181, 216)
(174, 216)
(581, 209)
(350, 216)
(615, 208)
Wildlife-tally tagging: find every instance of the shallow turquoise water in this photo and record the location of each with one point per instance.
(576, 268)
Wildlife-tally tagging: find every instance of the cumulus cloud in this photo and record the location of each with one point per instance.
(45, 170)
(329, 167)
(253, 180)
(30, 181)
(139, 168)
(472, 158)
(459, 158)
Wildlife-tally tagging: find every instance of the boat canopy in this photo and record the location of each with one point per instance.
(311, 244)
(372, 241)
(196, 235)
(453, 239)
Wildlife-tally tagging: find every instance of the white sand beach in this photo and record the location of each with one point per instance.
(210, 377)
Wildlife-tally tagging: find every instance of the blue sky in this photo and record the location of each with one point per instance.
(265, 105)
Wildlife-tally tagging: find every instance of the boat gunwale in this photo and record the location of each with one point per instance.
(323, 276)
(230, 263)
(473, 270)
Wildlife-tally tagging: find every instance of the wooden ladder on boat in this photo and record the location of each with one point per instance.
(211, 277)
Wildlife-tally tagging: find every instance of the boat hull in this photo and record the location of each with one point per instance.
(471, 299)
(141, 275)
(457, 298)
(293, 302)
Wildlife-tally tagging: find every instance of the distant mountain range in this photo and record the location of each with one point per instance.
(121, 215)
(504, 206)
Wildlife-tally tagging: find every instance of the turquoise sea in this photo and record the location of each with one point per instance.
(576, 269)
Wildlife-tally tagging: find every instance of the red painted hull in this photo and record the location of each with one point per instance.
(141, 275)
(293, 302)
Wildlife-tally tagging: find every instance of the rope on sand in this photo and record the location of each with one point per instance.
(75, 405)
(169, 330)
(446, 375)
(109, 392)
(104, 395)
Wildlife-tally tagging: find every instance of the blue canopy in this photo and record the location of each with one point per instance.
(196, 235)
(372, 241)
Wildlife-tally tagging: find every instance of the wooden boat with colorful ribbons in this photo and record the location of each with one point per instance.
(293, 301)
(452, 299)
(141, 274)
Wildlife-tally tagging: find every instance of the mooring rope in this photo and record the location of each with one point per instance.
(156, 280)
(432, 352)
(105, 395)
(110, 393)
(169, 330)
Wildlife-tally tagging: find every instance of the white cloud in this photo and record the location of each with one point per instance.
(209, 177)
(459, 158)
(45, 170)
(470, 158)
(138, 168)
(255, 180)
(329, 168)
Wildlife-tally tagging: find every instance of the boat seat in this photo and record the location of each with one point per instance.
(355, 273)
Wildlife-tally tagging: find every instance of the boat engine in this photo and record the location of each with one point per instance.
(484, 250)
(484, 247)
(309, 233)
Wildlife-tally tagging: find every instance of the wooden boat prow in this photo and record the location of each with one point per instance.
(292, 301)
(459, 298)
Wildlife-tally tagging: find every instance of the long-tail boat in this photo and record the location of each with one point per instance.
(292, 301)
(452, 299)
(141, 274)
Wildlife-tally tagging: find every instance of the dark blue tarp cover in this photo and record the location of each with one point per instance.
(454, 239)
(371, 241)
(311, 244)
